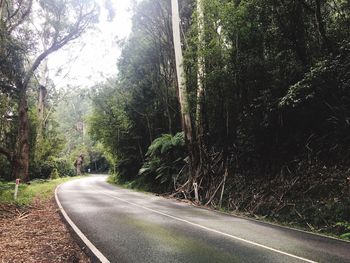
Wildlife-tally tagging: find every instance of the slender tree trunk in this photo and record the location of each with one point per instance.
(41, 112)
(79, 164)
(298, 38)
(181, 82)
(42, 101)
(170, 123)
(149, 129)
(140, 151)
(21, 160)
(200, 77)
(1, 10)
(200, 72)
(182, 92)
(200, 92)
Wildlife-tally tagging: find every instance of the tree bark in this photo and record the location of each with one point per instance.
(182, 93)
(298, 35)
(200, 93)
(79, 164)
(200, 72)
(21, 159)
(181, 82)
(170, 123)
(41, 112)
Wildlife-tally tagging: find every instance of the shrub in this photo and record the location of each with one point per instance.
(45, 169)
(54, 174)
(164, 161)
(64, 167)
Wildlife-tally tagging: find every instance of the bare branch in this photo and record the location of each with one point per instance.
(16, 11)
(23, 16)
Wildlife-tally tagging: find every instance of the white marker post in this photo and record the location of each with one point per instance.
(195, 186)
(16, 188)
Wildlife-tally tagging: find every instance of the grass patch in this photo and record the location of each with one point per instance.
(42, 189)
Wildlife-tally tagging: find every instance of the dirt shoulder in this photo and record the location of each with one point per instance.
(36, 233)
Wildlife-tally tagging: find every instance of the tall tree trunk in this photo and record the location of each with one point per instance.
(149, 129)
(1, 10)
(200, 92)
(182, 92)
(181, 82)
(170, 122)
(79, 164)
(42, 100)
(200, 72)
(200, 77)
(21, 160)
(298, 38)
(41, 112)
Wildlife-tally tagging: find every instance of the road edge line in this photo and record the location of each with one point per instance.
(233, 214)
(253, 243)
(261, 221)
(97, 255)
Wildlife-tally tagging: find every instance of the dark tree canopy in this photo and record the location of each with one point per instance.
(275, 100)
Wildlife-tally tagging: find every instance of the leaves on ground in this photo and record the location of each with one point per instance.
(36, 233)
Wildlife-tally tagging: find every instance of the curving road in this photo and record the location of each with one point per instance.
(129, 226)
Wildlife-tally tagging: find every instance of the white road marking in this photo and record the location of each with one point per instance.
(209, 229)
(87, 242)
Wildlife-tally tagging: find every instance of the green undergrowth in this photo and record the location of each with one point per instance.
(138, 184)
(345, 226)
(314, 198)
(321, 212)
(40, 188)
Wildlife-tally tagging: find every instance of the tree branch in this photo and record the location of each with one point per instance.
(23, 16)
(81, 24)
(16, 11)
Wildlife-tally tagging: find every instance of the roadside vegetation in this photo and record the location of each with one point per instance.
(42, 128)
(261, 127)
(39, 140)
(31, 227)
(42, 189)
(266, 126)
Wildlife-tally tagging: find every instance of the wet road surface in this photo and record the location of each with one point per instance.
(129, 226)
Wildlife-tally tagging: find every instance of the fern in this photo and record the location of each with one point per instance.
(164, 159)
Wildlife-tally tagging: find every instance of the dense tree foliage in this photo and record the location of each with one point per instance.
(274, 102)
(29, 32)
(260, 124)
(141, 104)
(73, 111)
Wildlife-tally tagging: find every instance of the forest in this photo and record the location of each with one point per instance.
(260, 124)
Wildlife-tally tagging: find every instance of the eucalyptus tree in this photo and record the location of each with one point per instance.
(30, 32)
(183, 96)
(142, 101)
(265, 86)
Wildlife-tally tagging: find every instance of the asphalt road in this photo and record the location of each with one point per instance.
(129, 226)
